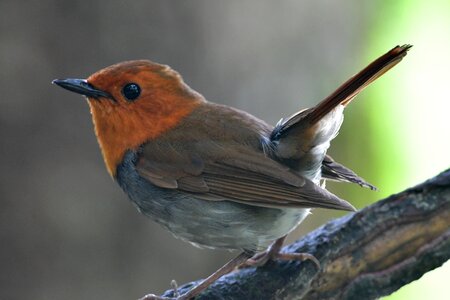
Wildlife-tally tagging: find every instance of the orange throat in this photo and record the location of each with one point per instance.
(120, 128)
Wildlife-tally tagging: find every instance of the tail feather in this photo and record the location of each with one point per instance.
(352, 87)
(301, 141)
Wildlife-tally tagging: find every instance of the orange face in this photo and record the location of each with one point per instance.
(146, 99)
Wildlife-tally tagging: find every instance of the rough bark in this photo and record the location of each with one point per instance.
(363, 255)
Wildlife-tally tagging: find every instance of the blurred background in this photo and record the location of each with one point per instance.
(66, 229)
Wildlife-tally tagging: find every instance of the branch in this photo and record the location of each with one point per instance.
(363, 255)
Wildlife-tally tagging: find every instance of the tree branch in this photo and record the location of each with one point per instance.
(363, 255)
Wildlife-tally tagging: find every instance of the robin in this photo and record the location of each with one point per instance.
(213, 175)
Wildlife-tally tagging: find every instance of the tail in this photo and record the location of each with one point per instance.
(302, 140)
(352, 87)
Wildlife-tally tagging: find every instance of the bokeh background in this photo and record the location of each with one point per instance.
(66, 229)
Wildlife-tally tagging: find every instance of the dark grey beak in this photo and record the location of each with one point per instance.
(81, 86)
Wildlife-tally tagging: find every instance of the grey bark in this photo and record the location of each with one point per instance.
(363, 255)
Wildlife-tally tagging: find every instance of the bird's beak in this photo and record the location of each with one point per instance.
(81, 86)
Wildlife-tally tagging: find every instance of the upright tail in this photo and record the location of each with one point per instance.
(303, 139)
(352, 87)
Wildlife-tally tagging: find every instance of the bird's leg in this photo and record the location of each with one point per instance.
(273, 252)
(227, 268)
(262, 258)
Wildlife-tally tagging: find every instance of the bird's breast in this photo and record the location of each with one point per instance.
(209, 224)
(119, 128)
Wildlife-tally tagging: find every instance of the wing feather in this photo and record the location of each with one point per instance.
(332, 170)
(228, 163)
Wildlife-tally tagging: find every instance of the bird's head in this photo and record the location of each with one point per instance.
(131, 103)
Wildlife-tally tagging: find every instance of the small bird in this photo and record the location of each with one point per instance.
(215, 176)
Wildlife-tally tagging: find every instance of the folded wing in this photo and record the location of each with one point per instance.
(216, 165)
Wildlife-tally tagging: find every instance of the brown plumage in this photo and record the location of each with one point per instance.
(213, 175)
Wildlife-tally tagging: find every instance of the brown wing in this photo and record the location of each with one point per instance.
(216, 165)
(332, 170)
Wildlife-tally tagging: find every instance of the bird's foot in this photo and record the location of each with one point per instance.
(176, 294)
(273, 253)
(227, 268)
(262, 258)
(155, 297)
(174, 286)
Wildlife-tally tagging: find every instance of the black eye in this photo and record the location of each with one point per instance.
(131, 91)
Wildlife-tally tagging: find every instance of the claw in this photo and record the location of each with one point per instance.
(155, 297)
(273, 253)
(227, 268)
(174, 286)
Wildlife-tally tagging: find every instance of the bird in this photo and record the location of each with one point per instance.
(213, 175)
